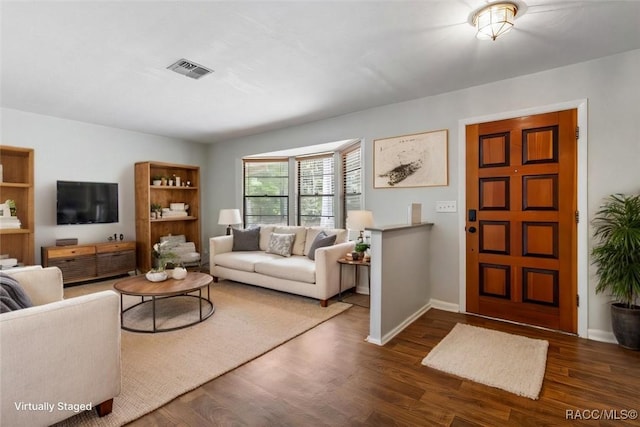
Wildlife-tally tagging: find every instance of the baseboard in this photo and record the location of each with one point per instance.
(395, 331)
(602, 336)
(364, 290)
(445, 306)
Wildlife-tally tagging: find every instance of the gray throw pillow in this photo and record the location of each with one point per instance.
(246, 240)
(12, 296)
(281, 244)
(321, 241)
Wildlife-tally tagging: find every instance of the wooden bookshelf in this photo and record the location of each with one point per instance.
(17, 184)
(149, 230)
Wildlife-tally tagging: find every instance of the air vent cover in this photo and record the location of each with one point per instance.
(189, 69)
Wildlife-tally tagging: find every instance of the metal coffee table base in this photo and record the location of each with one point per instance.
(203, 315)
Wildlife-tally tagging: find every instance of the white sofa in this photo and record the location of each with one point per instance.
(60, 353)
(297, 274)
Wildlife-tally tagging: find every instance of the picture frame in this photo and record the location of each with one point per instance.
(413, 160)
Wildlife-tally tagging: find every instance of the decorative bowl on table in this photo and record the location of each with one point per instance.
(156, 276)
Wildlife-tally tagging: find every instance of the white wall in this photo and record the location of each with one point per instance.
(610, 84)
(76, 151)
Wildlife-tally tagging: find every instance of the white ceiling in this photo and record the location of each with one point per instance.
(276, 64)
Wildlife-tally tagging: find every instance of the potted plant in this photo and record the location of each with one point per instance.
(156, 180)
(616, 256)
(361, 248)
(156, 209)
(12, 207)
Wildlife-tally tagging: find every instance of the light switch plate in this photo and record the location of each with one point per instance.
(446, 206)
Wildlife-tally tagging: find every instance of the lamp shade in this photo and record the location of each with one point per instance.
(229, 217)
(359, 220)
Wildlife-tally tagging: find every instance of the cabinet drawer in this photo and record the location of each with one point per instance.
(70, 252)
(116, 263)
(76, 269)
(115, 247)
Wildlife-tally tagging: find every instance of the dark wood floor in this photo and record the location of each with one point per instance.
(330, 376)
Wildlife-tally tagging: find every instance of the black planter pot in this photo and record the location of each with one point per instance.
(626, 325)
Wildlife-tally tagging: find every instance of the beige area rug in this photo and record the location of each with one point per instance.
(497, 359)
(248, 322)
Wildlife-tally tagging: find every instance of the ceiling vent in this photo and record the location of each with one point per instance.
(189, 69)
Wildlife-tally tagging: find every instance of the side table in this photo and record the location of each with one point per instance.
(356, 264)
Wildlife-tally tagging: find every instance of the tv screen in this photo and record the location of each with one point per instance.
(87, 202)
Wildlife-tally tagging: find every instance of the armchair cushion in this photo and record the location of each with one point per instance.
(12, 296)
(43, 285)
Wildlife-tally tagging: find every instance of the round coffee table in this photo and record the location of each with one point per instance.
(171, 288)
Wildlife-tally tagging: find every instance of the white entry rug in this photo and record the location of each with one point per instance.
(497, 359)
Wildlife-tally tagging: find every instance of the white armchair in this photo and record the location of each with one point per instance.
(65, 353)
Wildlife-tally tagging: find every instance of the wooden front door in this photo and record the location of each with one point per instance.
(521, 225)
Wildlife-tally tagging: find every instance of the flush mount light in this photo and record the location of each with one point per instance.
(494, 19)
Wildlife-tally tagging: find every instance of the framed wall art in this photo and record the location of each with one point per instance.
(415, 160)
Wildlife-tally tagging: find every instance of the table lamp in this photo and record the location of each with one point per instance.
(359, 220)
(229, 217)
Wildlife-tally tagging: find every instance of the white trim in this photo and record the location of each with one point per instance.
(363, 289)
(602, 336)
(395, 331)
(583, 254)
(583, 225)
(444, 305)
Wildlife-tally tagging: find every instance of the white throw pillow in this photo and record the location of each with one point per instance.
(281, 244)
(300, 233)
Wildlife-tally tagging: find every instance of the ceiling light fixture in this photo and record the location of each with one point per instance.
(494, 20)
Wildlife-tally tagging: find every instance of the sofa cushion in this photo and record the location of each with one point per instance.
(265, 235)
(12, 296)
(320, 241)
(298, 268)
(246, 240)
(243, 261)
(281, 244)
(298, 243)
(312, 232)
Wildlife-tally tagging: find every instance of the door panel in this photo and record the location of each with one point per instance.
(522, 245)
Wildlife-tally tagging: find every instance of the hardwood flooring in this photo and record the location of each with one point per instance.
(330, 376)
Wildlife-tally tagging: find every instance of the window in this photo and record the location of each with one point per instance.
(266, 191)
(316, 191)
(351, 180)
(321, 187)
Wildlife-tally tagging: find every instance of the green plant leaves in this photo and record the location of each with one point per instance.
(617, 251)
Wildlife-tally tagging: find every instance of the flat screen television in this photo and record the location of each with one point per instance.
(87, 202)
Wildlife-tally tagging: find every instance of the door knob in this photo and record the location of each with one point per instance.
(472, 229)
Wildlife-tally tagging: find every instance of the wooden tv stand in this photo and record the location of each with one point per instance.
(80, 263)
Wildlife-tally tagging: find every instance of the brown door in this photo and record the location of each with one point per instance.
(521, 219)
